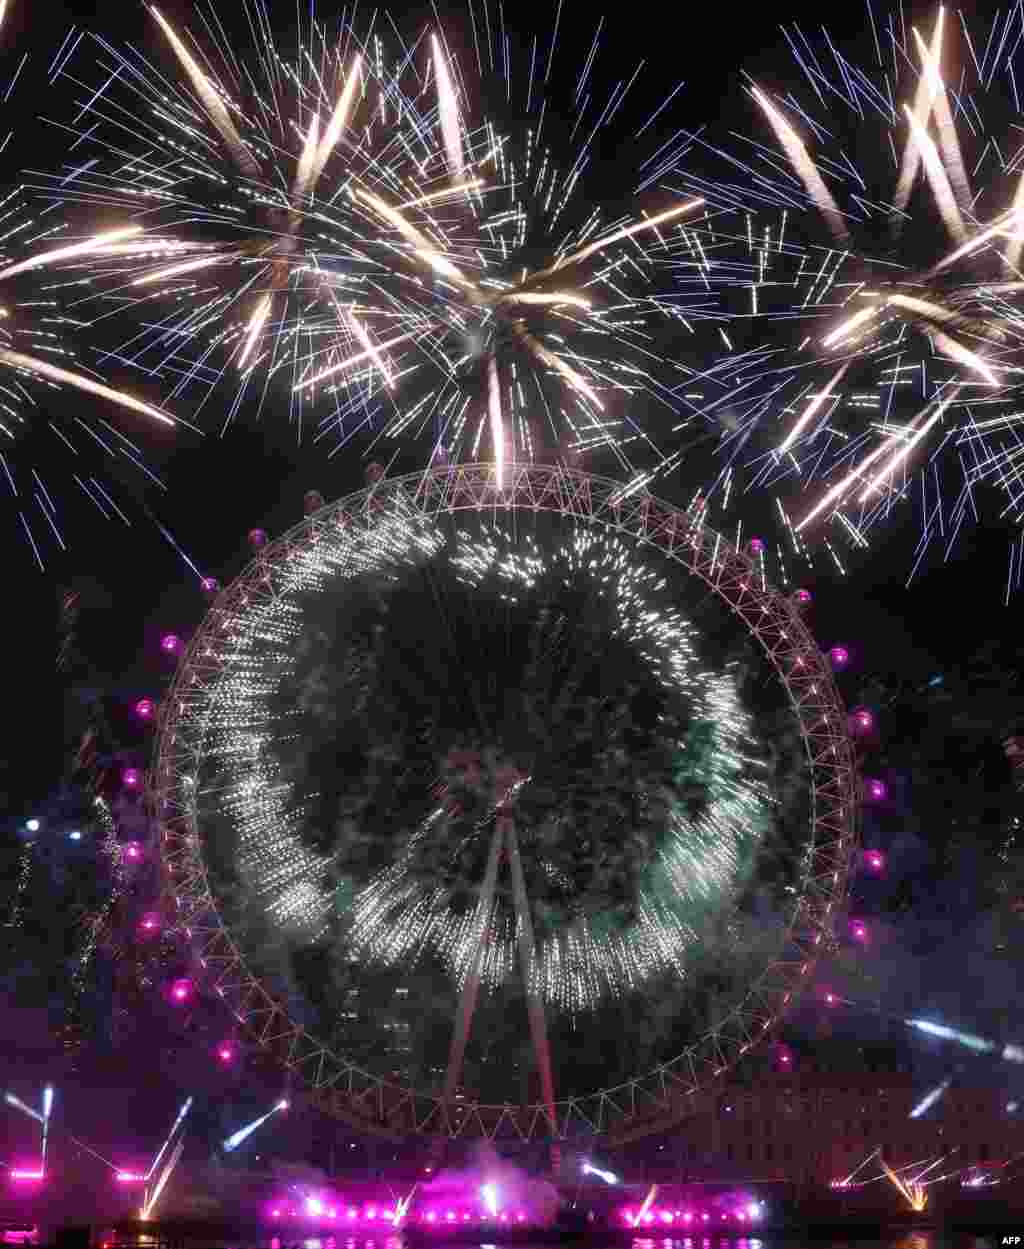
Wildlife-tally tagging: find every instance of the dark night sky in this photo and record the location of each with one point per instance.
(135, 586)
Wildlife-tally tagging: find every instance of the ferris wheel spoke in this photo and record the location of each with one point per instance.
(534, 1005)
(471, 987)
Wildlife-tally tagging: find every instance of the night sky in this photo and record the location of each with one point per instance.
(934, 931)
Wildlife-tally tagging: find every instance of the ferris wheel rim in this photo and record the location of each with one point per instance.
(652, 1100)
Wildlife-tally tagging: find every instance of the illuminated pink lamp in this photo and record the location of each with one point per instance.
(839, 657)
(705, 1217)
(757, 546)
(225, 1053)
(131, 778)
(352, 1212)
(875, 790)
(862, 721)
(181, 990)
(150, 923)
(431, 1216)
(520, 1217)
(209, 585)
(450, 1216)
(830, 998)
(802, 598)
(858, 930)
(132, 851)
(275, 1214)
(687, 1217)
(130, 1177)
(145, 708)
(21, 1173)
(875, 860)
(170, 644)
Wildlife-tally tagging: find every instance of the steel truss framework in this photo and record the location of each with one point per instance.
(652, 1101)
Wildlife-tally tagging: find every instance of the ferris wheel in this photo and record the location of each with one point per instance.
(518, 807)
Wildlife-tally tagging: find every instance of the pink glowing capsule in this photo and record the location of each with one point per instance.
(181, 990)
(145, 709)
(170, 644)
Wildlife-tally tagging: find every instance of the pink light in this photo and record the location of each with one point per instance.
(131, 778)
(839, 657)
(225, 1053)
(688, 1217)
(450, 1216)
(132, 851)
(170, 644)
(803, 598)
(859, 930)
(372, 1212)
(705, 1217)
(130, 1177)
(26, 1175)
(181, 990)
(209, 585)
(257, 538)
(520, 1217)
(875, 790)
(875, 860)
(150, 922)
(862, 721)
(431, 1216)
(757, 546)
(275, 1214)
(830, 999)
(145, 708)
(503, 1216)
(667, 1216)
(352, 1212)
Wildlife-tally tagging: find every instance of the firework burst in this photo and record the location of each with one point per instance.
(693, 817)
(869, 360)
(54, 451)
(360, 224)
